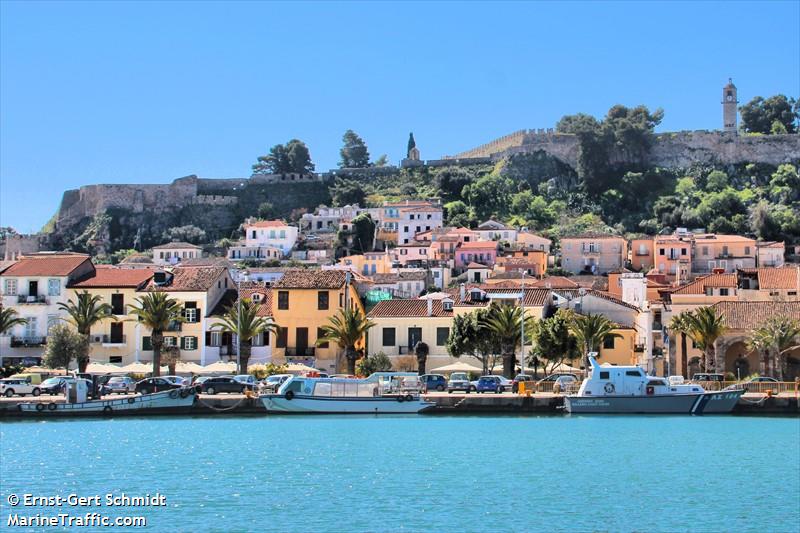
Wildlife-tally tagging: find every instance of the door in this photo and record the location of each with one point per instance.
(414, 336)
(302, 341)
(116, 333)
(118, 304)
(33, 288)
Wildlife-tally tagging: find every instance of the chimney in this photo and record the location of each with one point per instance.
(430, 306)
(462, 292)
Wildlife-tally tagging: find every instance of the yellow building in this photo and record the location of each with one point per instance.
(369, 263)
(302, 302)
(114, 341)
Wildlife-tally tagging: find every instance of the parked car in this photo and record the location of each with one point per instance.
(151, 385)
(552, 378)
(756, 380)
(53, 386)
(222, 384)
(9, 387)
(119, 385)
(271, 383)
(704, 376)
(459, 381)
(247, 380)
(526, 378)
(495, 384)
(198, 380)
(433, 382)
(562, 383)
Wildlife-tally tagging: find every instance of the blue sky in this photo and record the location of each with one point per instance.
(148, 92)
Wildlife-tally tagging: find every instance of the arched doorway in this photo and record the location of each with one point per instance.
(741, 361)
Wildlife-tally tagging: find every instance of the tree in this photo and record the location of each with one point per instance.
(760, 115)
(346, 329)
(460, 214)
(776, 337)
(363, 233)
(382, 161)
(679, 324)
(369, 364)
(590, 332)
(157, 311)
(504, 321)
(282, 159)
(354, 153)
(470, 336)
(421, 350)
(490, 196)
(347, 192)
(170, 356)
(189, 233)
(706, 325)
(242, 319)
(63, 345)
(553, 341)
(266, 211)
(83, 314)
(533, 209)
(299, 157)
(10, 318)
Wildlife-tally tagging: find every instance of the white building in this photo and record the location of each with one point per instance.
(34, 286)
(264, 239)
(415, 220)
(173, 253)
(531, 241)
(770, 253)
(327, 219)
(491, 230)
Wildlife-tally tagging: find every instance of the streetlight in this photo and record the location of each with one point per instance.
(243, 276)
(522, 328)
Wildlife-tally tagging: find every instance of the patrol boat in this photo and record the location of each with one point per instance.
(628, 389)
(382, 392)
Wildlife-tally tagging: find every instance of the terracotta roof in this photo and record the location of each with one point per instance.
(517, 261)
(750, 315)
(408, 203)
(599, 283)
(177, 244)
(699, 285)
(190, 279)
(206, 261)
(574, 293)
(555, 282)
(709, 237)
(258, 290)
(56, 264)
(770, 244)
(775, 278)
(116, 277)
(423, 208)
(592, 235)
(408, 308)
(267, 224)
(476, 265)
(533, 297)
(478, 245)
(298, 278)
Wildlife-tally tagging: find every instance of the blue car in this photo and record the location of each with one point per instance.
(494, 384)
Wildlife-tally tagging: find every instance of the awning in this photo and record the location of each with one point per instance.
(458, 367)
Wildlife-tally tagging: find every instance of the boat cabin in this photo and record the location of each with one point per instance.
(607, 380)
(378, 384)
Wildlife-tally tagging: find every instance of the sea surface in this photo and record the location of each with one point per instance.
(416, 473)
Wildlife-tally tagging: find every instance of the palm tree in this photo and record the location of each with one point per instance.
(680, 324)
(156, 310)
(706, 325)
(591, 331)
(9, 318)
(242, 320)
(346, 329)
(83, 314)
(421, 350)
(776, 337)
(503, 321)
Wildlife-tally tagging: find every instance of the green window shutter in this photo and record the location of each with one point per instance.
(183, 343)
(147, 344)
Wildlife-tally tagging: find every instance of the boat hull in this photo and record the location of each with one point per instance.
(172, 401)
(697, 404)
(275, 403)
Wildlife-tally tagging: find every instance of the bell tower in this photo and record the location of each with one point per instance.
(729, 103)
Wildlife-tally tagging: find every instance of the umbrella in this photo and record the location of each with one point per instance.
(38, 370)
(188, 367)
(220, 367)
(137, 368)
(298, 368)
(458, 367)
(102, 368)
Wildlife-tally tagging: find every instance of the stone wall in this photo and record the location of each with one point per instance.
(14, 246)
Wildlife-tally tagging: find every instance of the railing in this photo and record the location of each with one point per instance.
(108, 339)
(300, 352)
(758, 387)
(640, 253)
(17, 342)
(590, 251)
(35, 299)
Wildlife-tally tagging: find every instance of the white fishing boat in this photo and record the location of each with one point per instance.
(628, 389)
(175, 400)
(381, 393)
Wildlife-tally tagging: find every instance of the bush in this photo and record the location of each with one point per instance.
(373, 363)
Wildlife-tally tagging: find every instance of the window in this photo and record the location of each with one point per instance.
(746, 250)
(723, 292)
(118, 304)
(190, 313)
(283, 234)
(214, 338)
(320, 334)
(11, 287)
(414, 336)
(283, 334)
(283, 300)
(388, 336)
(53, 287)
(147, 344)
(31, 327)
(684, 251)
(442, 335)
(52, 320)
(341, 297)
(705, 250)
(170, 341)
(115, 359)
(661, 251)
(608, 343)
(272, 234)
(188, 343)
(604, 375)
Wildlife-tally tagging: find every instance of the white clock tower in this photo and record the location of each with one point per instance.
(729, 103)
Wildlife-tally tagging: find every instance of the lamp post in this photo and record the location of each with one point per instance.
(522, 328)
(241, 277)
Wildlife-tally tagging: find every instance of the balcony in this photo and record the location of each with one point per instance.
(642, 253)
(590, 251)
(300, 352)
(638, 348)
(27, 341)
(112, 340)
(35, 299)
(175, 325)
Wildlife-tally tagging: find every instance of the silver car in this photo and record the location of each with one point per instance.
(119, 385)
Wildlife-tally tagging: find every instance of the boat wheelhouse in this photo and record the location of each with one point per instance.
(382, 392)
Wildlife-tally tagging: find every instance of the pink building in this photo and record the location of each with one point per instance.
(483, 252)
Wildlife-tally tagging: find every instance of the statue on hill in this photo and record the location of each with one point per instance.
(412, 153)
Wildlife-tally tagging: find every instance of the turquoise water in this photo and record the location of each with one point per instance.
(421, 473)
